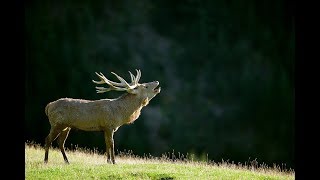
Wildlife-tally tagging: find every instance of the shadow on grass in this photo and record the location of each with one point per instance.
(162, 177)
(143, 176)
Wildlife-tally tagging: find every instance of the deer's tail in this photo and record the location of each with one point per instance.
(46, 109)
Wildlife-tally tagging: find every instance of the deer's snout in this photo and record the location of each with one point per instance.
(156, 90)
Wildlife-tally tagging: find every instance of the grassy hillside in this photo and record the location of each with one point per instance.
(91, 165)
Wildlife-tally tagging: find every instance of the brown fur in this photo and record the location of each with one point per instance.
(96, 115)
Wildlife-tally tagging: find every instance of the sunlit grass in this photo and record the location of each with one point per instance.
(85, 164)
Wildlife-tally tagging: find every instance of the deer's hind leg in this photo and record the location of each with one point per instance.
(61, 140)
(54, 133)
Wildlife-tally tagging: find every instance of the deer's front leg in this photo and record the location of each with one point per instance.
(108, 136)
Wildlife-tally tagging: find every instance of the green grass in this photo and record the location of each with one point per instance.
(86, 164)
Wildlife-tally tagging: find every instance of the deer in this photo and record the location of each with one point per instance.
(105, 115)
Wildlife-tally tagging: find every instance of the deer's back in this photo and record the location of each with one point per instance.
(74, 110)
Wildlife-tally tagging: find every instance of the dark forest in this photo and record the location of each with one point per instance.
(226, 71)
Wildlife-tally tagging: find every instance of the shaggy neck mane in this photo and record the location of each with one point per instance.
(131, 106)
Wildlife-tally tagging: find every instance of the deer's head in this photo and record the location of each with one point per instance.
(145, 91)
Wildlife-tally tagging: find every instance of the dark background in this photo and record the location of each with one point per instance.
(226, 69)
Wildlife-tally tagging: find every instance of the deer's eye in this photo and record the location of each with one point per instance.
(146, 86)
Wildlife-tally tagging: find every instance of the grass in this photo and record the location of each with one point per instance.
(85, 164)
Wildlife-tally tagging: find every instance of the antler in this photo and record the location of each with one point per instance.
(123, 86)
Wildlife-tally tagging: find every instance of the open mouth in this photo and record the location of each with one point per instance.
(157, 90)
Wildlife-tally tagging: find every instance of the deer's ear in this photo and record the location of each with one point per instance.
(133, 91)
(145, 101)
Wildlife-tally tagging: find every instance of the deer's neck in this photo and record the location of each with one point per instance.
(130, 106)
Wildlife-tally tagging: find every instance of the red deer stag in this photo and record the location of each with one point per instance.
(105, 115)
